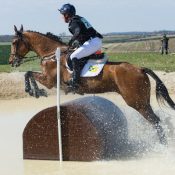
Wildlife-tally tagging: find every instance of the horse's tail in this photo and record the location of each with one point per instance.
(161, 90)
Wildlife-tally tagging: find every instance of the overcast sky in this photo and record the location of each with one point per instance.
(105, 15)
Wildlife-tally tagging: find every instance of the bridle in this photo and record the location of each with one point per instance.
(17, 58)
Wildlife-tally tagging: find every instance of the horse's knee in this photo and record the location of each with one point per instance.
(132, 103)
(50, 85)
(28, 74)
(149, 114)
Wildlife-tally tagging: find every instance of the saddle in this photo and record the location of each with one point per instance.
(90, 66)
(96, 56)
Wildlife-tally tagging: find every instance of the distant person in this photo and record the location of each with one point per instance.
(83, 32)
(164, 47)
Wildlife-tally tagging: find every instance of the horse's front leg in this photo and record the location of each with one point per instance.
(47, 80)
(28, 88)
(32, 77)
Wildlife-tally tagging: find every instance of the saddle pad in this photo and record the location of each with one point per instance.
(93, 67)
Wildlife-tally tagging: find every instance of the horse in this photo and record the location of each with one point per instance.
(128, 80)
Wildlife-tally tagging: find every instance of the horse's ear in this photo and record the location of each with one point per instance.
(18, 33)
(21, 29)
(16, 30)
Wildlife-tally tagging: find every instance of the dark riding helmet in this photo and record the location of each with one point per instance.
(68, 9)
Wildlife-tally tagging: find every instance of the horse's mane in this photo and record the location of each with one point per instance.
(50, 35)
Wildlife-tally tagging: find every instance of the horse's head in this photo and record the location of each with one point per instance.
(19, 48)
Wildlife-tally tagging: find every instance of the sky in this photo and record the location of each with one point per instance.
(104, 15)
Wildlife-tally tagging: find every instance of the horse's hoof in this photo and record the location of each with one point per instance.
(163, 141)
(40, 93)
(67, 90)
(27, 90)
(36, 95)
(31, 93)
(72, 89)
(43, 93)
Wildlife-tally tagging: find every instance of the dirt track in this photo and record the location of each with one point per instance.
(12, 85)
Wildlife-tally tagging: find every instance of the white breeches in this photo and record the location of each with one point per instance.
(88, 48)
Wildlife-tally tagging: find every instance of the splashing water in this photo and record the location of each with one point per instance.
(144, 154)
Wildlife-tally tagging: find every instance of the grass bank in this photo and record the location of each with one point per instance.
(154, 61)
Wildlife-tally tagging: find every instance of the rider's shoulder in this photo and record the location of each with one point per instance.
(76, 17)
(75, 20)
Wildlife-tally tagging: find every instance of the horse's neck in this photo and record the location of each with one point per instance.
(41, 44)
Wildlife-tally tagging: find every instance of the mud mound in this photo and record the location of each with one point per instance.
(12, 86)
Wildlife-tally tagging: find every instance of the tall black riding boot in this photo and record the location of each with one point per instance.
(74, 82)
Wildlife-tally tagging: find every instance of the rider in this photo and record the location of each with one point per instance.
(82, 31)
(164, 48)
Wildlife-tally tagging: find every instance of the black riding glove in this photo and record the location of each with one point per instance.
(70, 43)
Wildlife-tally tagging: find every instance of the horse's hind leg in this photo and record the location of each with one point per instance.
(135, 89)
(149, 115)
(142, 105)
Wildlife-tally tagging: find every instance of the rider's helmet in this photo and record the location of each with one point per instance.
(68, 9)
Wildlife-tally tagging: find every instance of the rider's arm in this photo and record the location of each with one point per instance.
(75, 30)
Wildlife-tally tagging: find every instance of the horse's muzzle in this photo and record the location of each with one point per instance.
(15, 62)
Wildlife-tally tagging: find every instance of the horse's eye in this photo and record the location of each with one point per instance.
(14, 42)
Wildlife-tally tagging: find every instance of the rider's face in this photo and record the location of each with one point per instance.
(66, 18)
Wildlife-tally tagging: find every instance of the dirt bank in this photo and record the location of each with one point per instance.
(12, 84)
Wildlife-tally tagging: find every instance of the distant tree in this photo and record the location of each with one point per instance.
(63, 34)
(6, 38)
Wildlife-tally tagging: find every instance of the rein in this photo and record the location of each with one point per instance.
(44, 58)
(52, 55)
(27, 60)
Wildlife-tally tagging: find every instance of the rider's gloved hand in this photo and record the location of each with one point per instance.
(70, 43)
(73, 44)
(76, 44)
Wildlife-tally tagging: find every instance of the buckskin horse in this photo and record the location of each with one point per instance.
(130, 81)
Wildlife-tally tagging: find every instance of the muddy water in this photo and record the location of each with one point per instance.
(145, 156)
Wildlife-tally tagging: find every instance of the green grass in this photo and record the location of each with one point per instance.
(28, 66)
(5, 43)
(4, 53)
(154, 61)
